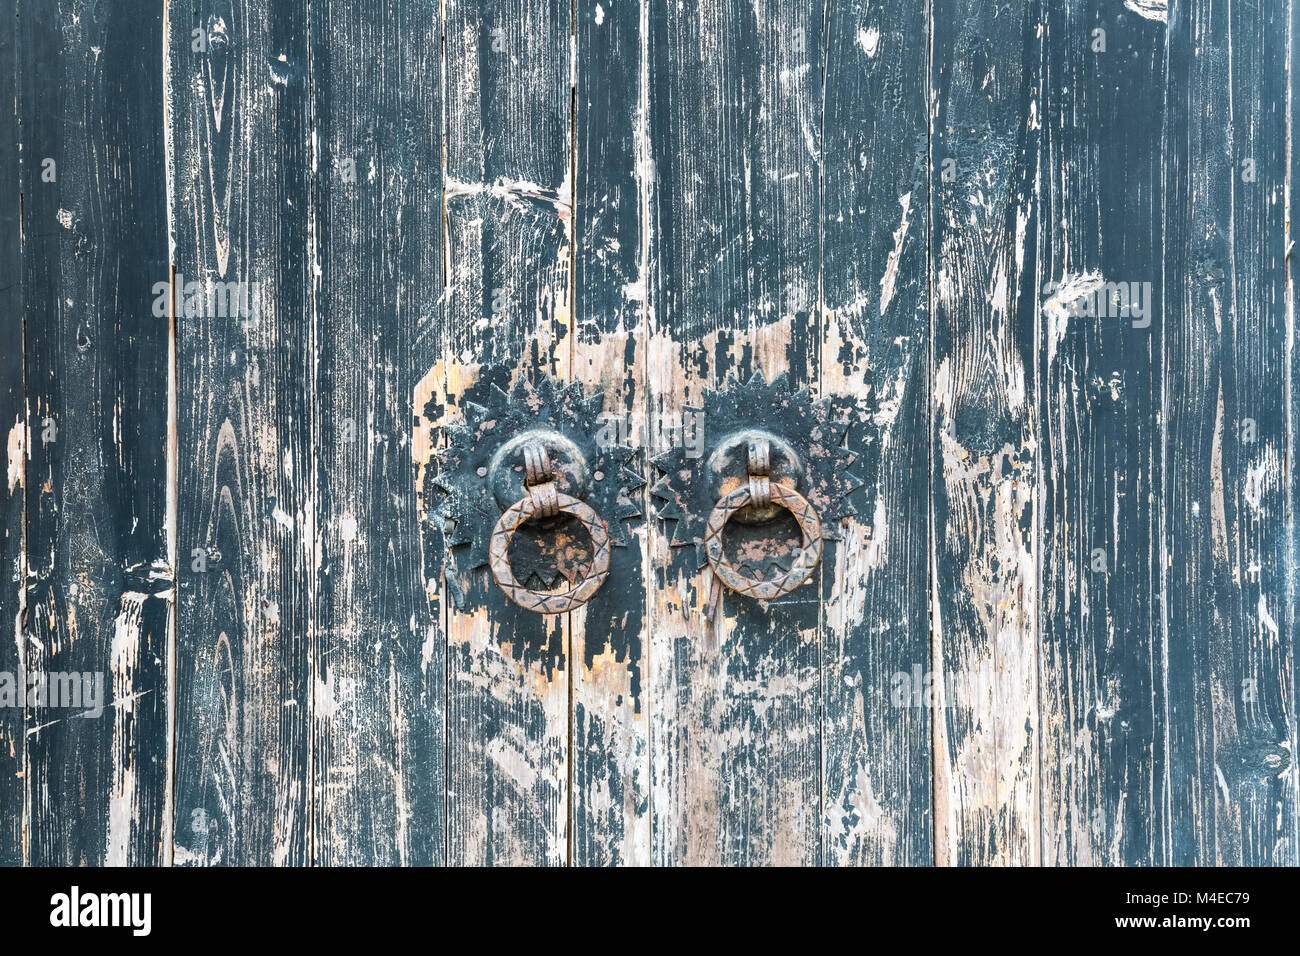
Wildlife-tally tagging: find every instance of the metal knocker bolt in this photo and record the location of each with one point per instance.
(543, 500)
(760, 492)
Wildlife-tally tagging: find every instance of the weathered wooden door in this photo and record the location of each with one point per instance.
(1032, 257)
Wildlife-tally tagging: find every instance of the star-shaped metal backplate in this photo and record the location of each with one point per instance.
(685, 494)
(467, 509)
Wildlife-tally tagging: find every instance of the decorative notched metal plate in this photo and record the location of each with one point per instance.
(767, 548)
(483, 477)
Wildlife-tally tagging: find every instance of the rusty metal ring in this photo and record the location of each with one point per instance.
(544, 602)
(809, 553)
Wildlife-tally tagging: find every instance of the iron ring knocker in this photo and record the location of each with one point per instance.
(542, 499)
(760, 492)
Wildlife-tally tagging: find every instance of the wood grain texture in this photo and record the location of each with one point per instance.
(1059, 627)
(238, 177)
(1231, 665)
(378, 657)
(610, 746)
(508, 209)
(98, 586)
(1290, 377)
(874, 280)
(13, 427)
(1111, 166)
(983, 436)
(735, 134)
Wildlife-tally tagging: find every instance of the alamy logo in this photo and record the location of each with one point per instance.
(1091, 296)
(926, 689)
(237, 300)
(74, 690)
(682, 430)
(72, 909)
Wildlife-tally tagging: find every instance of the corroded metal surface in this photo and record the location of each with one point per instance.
(772, 450)
(540, 601)
(804, 561)
(513, 435)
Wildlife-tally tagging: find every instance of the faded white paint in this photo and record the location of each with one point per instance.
(17, 454)
(891, 266)
(1071, 288)
(1150, 9)
(869, 40)
(123, 660)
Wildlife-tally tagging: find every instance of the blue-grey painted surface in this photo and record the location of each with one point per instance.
(1055, 626)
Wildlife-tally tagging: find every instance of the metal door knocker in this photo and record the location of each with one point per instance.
(795, 463)
(760, 493)
(543, 500)
(527, 473)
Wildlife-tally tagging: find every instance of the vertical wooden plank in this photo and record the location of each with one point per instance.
(610, 749)
(983, 435)
(98, 583)
(13, 426)
(1293, 393)
(377, 665)
(735, 129)
(1111, 166)
(875, 278)
(1231, 663)
(238, 168)
(508, 210)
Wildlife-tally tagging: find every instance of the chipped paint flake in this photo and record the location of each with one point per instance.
(1267, 624)
(1070, 289)
(282, 518)
(869, 40)
(123, 661)
(891, 267)
(1150, 9)
(17, 453)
